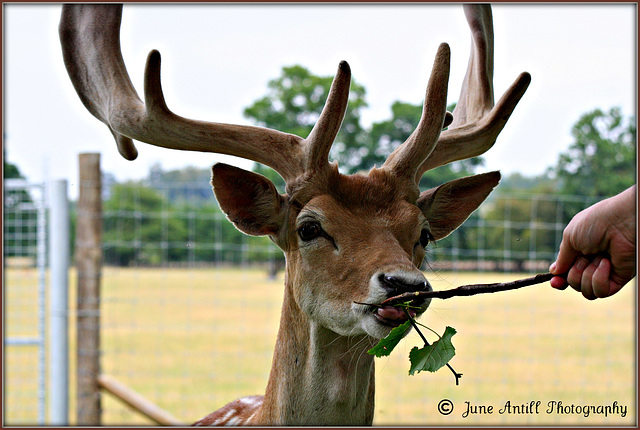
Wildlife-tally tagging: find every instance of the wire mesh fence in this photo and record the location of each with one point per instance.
(181, 226)
(515, 232)
(24, 254)
(191, 308)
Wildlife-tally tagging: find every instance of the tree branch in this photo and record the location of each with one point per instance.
(469, 290)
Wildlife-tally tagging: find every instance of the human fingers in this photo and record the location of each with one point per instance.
(614, 287)
(586, 282)
(567, 253)
(574, 276)
(557, 282)
(600, 279)
(605, 282)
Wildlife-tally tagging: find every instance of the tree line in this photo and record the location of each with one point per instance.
(172, 216)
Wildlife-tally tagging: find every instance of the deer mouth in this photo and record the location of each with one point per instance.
(393, 316)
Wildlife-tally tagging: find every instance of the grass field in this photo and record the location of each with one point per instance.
(192, 340)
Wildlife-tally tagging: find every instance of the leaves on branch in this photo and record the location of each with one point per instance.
(433, 357)
(386, 345)
(438, 354)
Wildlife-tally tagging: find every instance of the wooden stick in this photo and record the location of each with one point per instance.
(137, 402)
(469, 290)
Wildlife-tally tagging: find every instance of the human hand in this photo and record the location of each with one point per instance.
(597, 252)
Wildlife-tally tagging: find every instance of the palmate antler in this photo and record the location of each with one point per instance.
(90, 36)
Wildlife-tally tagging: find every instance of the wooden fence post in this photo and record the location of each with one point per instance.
(89, 265)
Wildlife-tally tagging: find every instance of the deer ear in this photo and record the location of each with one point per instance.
(250, 201)
(449, 205)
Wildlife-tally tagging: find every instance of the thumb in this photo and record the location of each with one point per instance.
(567, 255)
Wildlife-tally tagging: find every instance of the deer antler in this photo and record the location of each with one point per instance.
(408, 157)
(90, 36)
(476, 121)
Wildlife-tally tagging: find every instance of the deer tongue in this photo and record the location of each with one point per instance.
(393, 313)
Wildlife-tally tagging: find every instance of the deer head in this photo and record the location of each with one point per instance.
(346, 238)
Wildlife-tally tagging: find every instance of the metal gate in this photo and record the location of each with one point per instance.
(24, 279)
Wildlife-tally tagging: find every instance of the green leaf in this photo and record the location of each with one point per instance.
(386, 345)
(433, 357)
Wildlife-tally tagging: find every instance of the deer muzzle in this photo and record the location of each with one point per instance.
(391, 283)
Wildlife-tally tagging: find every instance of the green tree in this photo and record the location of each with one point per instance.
(386, 136)
(212, 238)
(601, 160)
(140, 227)
(188, 184)
(11, 171)
(524, 217)
(517, 182)
(293, 104)
(18, 216)
(522, 227)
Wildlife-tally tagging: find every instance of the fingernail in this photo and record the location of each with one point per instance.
(552, 268)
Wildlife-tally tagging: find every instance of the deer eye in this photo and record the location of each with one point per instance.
(425, 237)
(309, 231)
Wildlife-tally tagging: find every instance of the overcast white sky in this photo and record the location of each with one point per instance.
(217, 60)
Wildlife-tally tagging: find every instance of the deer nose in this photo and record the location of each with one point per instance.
(402, 283)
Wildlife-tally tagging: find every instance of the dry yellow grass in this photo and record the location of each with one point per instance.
(192, 340)
(532, 344)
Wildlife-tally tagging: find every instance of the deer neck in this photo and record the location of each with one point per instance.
(317, 377)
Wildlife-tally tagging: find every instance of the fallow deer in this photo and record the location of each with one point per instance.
(346, 238)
